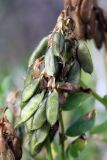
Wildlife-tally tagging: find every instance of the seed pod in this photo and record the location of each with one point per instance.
(30, 107)
(66, 51)
(77, 146)
(37, 149)
(28, 77)
(29, 124)
(52, 107)
(50, 64)
(86, 10)
(57, 44)
(82, 125)
(39, 51)
(30, 89)
(39, 116)
(84, 57)
(22, 104)
(74, 74)
(39, 136)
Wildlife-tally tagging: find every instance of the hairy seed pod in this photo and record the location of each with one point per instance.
(82, 125)
(58, 43)
(30, 107)
(84, 57)
(30, 89)
(50, 65)
(40, 116)
(39, 51)
(39, 136)
(74, 74)
(86, 10)
(52, 107)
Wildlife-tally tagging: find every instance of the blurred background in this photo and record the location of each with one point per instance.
(23, 23)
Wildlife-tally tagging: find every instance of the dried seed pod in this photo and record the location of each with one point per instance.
(39, 136)
(82, 125)
(52, 107)
(39, 51)
(40, 116)
(17, 150)
(74, 74)
(78, 29)
(30, 107)
(57, 43)
(30, 89)
(3, 144)
(86, 10)
(50, 63)
(84, 57)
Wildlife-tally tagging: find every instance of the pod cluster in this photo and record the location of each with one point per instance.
(55, 64)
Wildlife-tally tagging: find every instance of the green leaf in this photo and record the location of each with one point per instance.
(84, 57)
(100, 129)
(76, 147)
(82, 124)
(74, 100)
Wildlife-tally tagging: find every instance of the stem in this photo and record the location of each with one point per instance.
(98, 97)
(49, 151)
(62, 135)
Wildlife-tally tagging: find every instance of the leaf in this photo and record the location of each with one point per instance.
(74, 100)
(100, 129)
(82, 124)
(84, 57)
(76, 147)
(74, 74)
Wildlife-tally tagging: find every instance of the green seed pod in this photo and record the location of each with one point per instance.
(50, 63)
(39, 136)
(52, 107)
(37, 149)
(84, 57)
(58, 43)
(66, 52)
(39, 51)
(83, 124)
(76, 147)
(28, 77)
(29, 124)
(22, 104)
(30, 107)
(74, 74)
(40, 116)
(30, 89)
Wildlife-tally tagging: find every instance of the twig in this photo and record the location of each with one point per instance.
(62, 135)
(49, 151)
